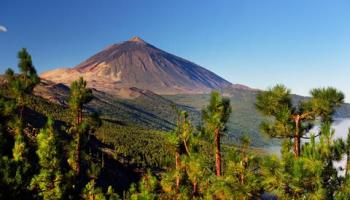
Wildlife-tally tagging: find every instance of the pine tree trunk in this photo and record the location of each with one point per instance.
(77, 117)
(347, 167)
(297, 137)
(195, 188)
(217, 152)
(241, 178)
(177, 166)
(103, 161)
(21, 113)
(81, 115)
(296, 146)
(92, 196)
(186, 148)
(78, 155)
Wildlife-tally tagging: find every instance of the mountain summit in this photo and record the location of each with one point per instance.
(137, 39)
(136, 63)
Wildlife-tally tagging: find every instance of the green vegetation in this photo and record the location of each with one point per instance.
(52, 151)
(244, 120)
(136, 146)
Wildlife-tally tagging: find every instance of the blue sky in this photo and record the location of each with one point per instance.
(300, 43)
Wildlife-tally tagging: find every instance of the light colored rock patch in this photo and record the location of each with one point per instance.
(118, 77)
(61, 75)
(101, 73)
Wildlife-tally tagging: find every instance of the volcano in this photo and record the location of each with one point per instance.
(138, 64)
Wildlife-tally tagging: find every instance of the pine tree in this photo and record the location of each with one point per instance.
(20, 149)
(146, 189)
(183, 133)
(79, 95)
(215, 117)
(343, 192)
(17, 167)
(24, 83)
(111, 195)
(324, 101)
(197, 172)
(347, 147)
(18, 87)
(312, 175)
(13, 165)
(91, 192)
(7, 108)
(48, 183)
(293, 122)
(189, 178)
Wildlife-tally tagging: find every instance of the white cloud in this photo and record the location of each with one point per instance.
(3, 29)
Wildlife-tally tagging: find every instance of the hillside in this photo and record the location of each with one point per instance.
(151, 111)
(146, 109)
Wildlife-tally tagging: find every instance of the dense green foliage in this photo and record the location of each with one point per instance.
(49, 179)
(137, 146)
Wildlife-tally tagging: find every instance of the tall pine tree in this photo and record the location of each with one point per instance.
(79, 95)
(294, 121)
(24, 82)
(215, 117)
